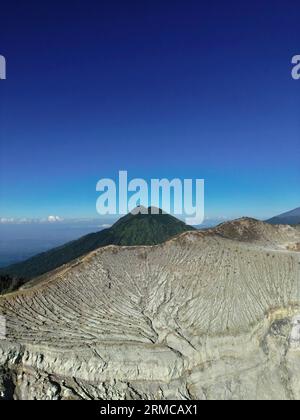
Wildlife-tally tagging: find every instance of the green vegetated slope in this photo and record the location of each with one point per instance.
(140, 229)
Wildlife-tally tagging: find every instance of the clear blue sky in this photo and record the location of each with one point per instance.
(160, 88)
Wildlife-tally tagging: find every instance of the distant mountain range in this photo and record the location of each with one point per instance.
(289, 218)
(130, 230)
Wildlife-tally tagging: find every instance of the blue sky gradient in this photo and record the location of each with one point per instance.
(157, 88)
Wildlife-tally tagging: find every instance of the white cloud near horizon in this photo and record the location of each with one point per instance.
(12, 220)
(52, 219)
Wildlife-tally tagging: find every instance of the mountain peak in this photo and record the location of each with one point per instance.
(147, 210)
(244, 229)
(130, 230)
(291, 217)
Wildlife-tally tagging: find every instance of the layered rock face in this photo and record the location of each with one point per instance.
(202, 316)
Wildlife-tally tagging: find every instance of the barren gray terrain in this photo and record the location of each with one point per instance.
(206, 315)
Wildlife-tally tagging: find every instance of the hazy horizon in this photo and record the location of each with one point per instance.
(20, 240)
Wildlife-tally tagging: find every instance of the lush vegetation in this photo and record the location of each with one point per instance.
(140, 229)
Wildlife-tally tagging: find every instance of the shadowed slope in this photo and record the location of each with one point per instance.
(289, 218)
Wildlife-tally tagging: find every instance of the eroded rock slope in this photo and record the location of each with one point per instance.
(213, 315)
